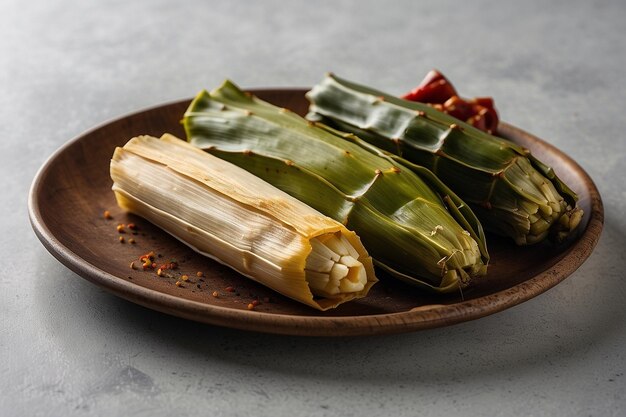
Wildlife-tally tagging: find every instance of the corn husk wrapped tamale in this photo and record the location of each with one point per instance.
(230, 215)
(415, 228)
(512, 192)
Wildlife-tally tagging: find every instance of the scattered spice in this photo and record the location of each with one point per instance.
(132, 226)
(120, 228)
(147, 260)
(107, 215)
(169, 265)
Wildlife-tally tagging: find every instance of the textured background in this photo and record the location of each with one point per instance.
(68, 348)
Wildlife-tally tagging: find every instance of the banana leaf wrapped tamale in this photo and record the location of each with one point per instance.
(513, 193)
(228, 214)
(414, 227)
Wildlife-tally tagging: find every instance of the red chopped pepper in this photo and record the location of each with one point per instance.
(436, 90)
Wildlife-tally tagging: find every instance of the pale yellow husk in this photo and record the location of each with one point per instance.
(234, 217)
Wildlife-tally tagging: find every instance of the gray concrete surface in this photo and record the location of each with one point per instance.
(67, 348)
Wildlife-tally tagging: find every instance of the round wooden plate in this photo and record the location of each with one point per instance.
(73, 189)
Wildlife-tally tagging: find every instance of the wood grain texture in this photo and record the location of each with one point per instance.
(73, 188)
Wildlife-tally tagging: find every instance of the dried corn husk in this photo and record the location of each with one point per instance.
(230, 215)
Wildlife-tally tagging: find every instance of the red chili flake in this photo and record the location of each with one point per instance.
(255, 303)
(132, 226)
(149, 255)
(229, 289)
(146, 260)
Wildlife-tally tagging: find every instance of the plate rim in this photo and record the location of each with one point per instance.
(419, 318)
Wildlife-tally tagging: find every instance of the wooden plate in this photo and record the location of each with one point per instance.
(72, 190)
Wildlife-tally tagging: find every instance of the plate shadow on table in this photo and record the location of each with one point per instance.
(477, 348)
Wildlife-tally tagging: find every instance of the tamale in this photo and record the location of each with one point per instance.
(230, 215)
